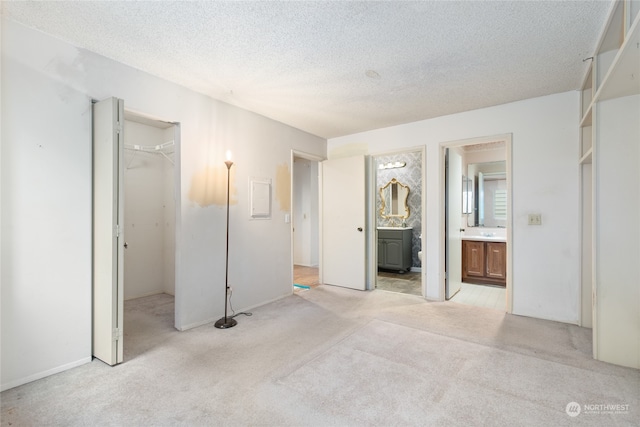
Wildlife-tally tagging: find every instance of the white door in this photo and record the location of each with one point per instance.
(453, 194)
(343, 222)
(108, 253)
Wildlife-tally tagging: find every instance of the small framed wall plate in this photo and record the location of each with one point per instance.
(260, 198)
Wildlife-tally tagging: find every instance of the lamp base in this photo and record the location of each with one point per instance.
(226, 323)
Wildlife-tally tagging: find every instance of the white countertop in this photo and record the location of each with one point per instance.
(485, 234)
(395, 228)
(485, 238)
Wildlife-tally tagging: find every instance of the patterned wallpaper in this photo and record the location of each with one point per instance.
(410, 175)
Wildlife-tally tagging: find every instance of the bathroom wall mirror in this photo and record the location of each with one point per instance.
(393, 196)
(487, 190)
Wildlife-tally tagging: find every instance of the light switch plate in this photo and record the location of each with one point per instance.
(535, 219)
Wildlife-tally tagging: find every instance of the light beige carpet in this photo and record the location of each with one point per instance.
(420, 378)
(336, 357)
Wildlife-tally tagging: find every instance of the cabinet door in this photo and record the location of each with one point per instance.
(472, 258)
(496, 260)
(393, 254)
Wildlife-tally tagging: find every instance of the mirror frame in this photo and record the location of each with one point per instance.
(383, 205)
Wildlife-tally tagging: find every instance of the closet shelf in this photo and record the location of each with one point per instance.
(586, 119)
(622, 78)
(587, 158)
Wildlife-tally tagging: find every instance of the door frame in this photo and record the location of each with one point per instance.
(508, 140)
(312, 157)
(372, 247)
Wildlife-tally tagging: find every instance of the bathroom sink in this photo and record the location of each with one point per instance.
(395, 228)
(482, 238)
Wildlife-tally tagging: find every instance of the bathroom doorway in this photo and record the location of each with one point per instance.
(398, 195)
(477, 227)
(305, 221)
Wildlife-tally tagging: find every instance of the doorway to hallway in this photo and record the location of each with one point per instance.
(305, 220)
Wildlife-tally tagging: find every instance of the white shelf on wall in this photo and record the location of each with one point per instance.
(613, 72)
(587, 157)
(622, 78)
(614, 69)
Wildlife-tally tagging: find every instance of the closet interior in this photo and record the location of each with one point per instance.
(149, 211)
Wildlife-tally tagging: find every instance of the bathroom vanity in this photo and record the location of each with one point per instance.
(484, 261)
(394, 248)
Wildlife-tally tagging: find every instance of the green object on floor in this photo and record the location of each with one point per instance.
(301, 286)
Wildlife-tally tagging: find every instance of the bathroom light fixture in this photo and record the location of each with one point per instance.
(392, 165)
(227, 322)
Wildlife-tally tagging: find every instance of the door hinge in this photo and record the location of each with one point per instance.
(118, 127)
(117, 334)
(116, 230)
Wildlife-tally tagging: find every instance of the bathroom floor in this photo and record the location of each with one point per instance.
(406, 283)
(410, 283)
(482, 296)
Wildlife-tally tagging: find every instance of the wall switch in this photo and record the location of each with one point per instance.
(535, 219)
(287, 218)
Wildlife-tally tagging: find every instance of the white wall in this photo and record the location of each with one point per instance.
(545, 180)
(46, 199)
(46, 219)
(483, 156)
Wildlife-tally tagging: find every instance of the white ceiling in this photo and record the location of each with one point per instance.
(335, 68)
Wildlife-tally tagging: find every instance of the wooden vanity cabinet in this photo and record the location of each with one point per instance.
(484, 262)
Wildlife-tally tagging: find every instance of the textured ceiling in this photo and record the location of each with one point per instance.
(340, 67)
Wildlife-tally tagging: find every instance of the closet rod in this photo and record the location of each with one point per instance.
(150, 149)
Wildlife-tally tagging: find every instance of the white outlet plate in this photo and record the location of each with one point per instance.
(535, 219)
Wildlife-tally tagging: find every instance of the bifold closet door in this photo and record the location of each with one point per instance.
(108, 236)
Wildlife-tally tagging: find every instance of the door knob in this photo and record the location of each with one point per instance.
(126, 245)
(360, 229)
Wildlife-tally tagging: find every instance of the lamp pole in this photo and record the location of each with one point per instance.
(226, 322)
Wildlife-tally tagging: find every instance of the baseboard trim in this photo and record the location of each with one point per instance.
(43, 374)
(210, 320)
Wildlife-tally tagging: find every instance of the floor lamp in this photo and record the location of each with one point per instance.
(227, 322)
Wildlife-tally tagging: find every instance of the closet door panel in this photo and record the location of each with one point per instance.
(108, 255)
